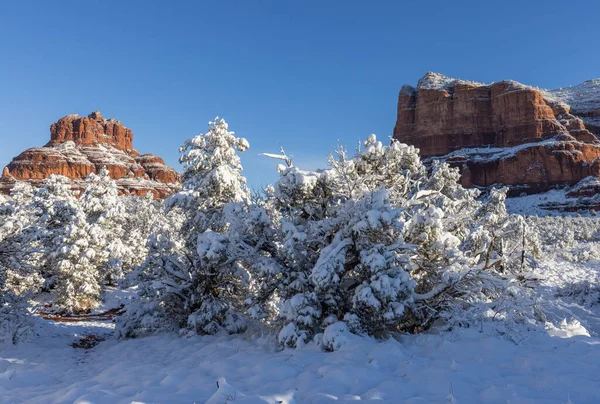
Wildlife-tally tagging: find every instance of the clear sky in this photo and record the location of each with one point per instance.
(302, 74)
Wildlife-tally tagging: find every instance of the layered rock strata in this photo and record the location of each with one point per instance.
(80, 146)
(502, 133)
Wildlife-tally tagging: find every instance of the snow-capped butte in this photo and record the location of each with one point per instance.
(80, 146)
(437, 81)
(504, 133)
(582, 98)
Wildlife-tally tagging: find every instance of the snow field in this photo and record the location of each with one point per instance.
(467, 365)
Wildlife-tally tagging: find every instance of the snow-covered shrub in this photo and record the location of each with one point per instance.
(158, 306)
(335, 336)
(81, 244)
(332, 264)
(565, 231)
(55, 243)
(575, 239)
(298, 206)
(362, 275)
(497, 307)
(104, 212)
(215, 303)
(500, 240)
(100, 198)
(488, 268)
(584, 293)
(384, 243)
(579, 252)
(72, 248)
(16, 322)
(142, 318)
(254, 233)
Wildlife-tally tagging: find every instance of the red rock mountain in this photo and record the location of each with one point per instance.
(82, 145)
(505, 132)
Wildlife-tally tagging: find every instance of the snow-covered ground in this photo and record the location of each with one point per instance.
(532, 205)
(469, 366)
(561, 365)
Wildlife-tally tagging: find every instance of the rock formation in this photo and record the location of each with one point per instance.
(584, 101)
(505, 132)
(82, 145)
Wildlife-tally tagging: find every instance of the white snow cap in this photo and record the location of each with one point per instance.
(584, 97)
(437, 81)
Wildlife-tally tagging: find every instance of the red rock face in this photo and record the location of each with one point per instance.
(92, 130)
(534, 168)
(156, 169)
(503, 133)
(82, 145)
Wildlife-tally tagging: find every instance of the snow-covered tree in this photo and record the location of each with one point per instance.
(396, 167)
(105, 214)
(53, 241)
(143, 216)
(159, 306)
(78, 258)
(212, 174)
(100, 198)
(19, 249)
(32, 221)
(18, 279)
(54, 206)
(125, 223)
(199, 275)
(298, 207)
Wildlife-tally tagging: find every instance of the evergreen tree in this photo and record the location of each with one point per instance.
(199, 272)
(78, 257)
(19, 250)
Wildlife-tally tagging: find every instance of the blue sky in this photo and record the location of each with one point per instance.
(302, 74)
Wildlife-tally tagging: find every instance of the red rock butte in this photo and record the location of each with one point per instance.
(80, 146)
(505, 132)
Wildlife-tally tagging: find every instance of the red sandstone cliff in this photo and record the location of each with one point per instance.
(502, 133)
(82, 145)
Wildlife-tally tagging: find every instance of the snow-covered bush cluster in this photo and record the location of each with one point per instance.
(53, 241)
(575, 239)
(566, 231)
(378, 242)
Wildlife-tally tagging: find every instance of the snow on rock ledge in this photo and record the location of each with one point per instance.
(437, 81)
(80, 146)
(584, 99)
